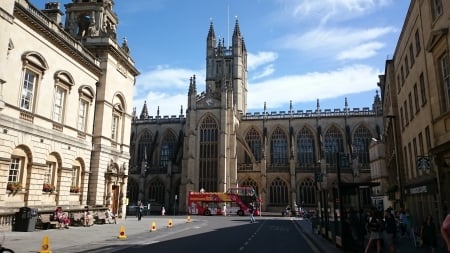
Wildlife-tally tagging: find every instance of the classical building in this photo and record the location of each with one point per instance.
(288, 157)
(65, 106)
(416, 101)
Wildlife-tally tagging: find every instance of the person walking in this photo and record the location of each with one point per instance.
(163, 211)
(140, 211)
(445, 231)
(390, 229)
(374, 228)
(428, 234)
(251, 210)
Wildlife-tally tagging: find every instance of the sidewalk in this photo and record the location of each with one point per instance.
(325, 245)
(86, 239)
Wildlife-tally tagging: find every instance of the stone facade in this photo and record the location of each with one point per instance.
(65, 106)
(416, 101)
(288, 157)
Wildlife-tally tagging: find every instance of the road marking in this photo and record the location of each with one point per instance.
(307, 240)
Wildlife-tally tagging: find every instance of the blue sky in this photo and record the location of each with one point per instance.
(299, 50)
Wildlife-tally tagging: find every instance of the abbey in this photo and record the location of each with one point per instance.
(65, 107)
(288, 157)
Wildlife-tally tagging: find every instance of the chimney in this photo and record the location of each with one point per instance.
(53, 12)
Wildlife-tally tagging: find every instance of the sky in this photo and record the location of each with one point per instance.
(298, 50)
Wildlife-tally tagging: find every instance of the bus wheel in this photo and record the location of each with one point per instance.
(240, 213)
(207, 213)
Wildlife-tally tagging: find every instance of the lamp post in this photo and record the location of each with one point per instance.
(397, 167)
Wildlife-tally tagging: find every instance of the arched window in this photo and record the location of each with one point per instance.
(306, 193)
(279, 148)
(34, 66)
(168, 148)
(132, 191)
(253, 139)
(86, 96)
(145, 148)
(252, 183)
(63, 84)
(333, 144)
(360, 146)
(156, 191)
(278, 193)
(305, 148)
(208, 161)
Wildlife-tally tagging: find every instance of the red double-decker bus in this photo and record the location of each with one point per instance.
(234, 201)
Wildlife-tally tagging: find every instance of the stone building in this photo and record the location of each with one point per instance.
(65, 106)
(416, 101)
(288, 157)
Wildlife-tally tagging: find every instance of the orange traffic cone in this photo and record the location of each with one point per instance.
(45, 247)
(188, 219)
(170, 224)
(153, 229)
(122, 233)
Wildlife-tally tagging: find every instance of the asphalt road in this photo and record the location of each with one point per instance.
(231, 234)
(211, 233)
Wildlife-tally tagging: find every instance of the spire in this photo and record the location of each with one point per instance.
(211, 33)
(346, 105)
(377, 105)
(237, 31)
(317, 106)
(181, 110)
(157, 111)
(290, 106)
(144, 113)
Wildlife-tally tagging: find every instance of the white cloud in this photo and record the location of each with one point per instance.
(362, 51)
(267, 71)
(310, 86)
(259, 59)
(339, 42)
(325, 10)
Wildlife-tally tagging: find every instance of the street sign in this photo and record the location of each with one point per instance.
(423, 163)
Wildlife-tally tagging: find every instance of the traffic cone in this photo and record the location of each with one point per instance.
(45, 247)
(169, 225)
(153, 229)
(188, 219)
(122, 233)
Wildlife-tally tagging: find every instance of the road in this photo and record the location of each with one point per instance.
(225, 235)
(212, 233)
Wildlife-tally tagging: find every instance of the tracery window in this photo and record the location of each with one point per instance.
(278, 195)
(306, 193)
(208, 162)
(279, 148)
(252, 183)
(145, 148)
(132, 191)
(156, 191)
(305, 148)
(253, 139)
(361, 140)
(168, 147)
(333, 144)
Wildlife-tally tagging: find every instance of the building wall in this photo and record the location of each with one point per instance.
(416, 84)
(36, 138)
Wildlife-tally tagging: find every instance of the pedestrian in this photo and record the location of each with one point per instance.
(251, 210)
(428, 234)
(402, 223)
(140, 211)
(445, 231)
(374, 228)
(163, 211)
(390, 229)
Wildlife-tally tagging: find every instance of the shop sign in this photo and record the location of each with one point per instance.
(417, 190)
